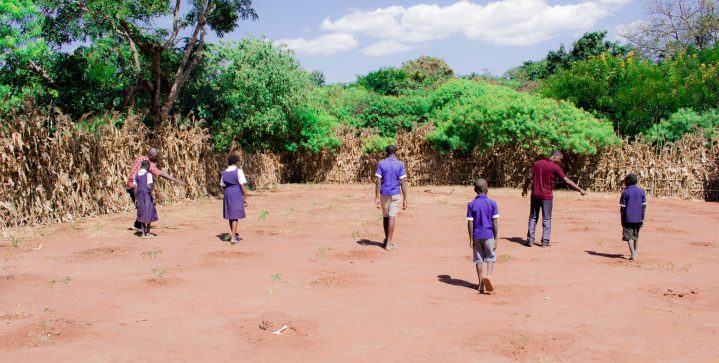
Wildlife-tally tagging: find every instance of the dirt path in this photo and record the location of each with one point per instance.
(91, 291)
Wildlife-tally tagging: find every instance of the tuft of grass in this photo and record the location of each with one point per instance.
(324, 251)
(15, 241)
(276, 278)
(263, 214)
(63, 280)
(504, 258)
(153, 253)
(159, 273)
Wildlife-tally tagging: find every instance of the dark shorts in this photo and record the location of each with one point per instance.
(631, 231)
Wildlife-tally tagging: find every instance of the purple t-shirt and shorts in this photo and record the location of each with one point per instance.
(482, 211)
(390, 171)
(633, 201)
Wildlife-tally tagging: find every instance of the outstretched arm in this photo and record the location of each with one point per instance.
(574, 186)
(171, 178)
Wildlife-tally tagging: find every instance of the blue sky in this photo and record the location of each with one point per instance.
(344, 39)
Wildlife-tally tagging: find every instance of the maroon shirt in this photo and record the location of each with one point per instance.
(545, 172)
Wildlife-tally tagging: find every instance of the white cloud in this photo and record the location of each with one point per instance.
(625, 30)
(322, 45)
(503, 22)
(385, 47)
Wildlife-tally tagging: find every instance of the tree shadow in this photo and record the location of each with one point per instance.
(456, 282)
(366, 242)
(607, 255)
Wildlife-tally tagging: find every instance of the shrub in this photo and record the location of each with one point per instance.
(479, 115)
(386, 81)
(683, 122)
(376, 143)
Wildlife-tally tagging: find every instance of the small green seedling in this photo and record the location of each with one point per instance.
(264, 214)
(276, 278)
(153, 253)
(15, 241)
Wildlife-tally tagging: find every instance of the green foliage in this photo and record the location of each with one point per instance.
(256, 94)
(591, 44)
(385, 81)
(636, 94)
(376, 144)
(427, 70)
(683, 122)
(360, 108)
(471, 115)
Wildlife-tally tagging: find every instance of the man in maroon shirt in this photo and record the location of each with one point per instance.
(543, 174)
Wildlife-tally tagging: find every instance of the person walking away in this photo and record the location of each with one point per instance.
(632, 206)
(144, 186)
(390, 183)
(483, 229)
(234, 198)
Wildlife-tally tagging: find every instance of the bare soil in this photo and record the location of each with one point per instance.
(310, 260)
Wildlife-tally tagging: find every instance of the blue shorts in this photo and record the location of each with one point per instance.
(483, 251)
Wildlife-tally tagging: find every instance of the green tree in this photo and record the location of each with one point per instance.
(685, 121)
(257, 95)
(130, 22)
(427, 69)
(385, 81)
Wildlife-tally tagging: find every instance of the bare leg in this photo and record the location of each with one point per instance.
(390, 231)
(632, 249)
(385, 225)
(636, 247)
(233, 230)
(490, 268)
(480, 286)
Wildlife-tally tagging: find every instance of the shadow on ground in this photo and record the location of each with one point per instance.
(456, 282)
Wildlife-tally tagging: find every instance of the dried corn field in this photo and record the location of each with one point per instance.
(69, 172)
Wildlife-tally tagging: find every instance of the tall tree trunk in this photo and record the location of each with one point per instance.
(156, 91)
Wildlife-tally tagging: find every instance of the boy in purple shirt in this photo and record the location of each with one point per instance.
(483, 228)
(632, 205)
(391, 180)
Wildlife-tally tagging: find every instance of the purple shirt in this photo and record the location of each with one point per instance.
(633, 200)
(482, 211)
(390, 170)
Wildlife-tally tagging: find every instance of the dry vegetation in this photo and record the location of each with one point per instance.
(71, 172)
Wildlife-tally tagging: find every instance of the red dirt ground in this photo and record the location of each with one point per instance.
(91, 291)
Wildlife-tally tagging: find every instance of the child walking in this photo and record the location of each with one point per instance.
(144, 186)
(632, 203)
(483, 228)
(234, 199)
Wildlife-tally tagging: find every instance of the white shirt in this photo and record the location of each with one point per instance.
(141, 173)
(240, 175)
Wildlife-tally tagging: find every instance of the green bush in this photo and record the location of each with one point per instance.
(385, 81)
(376, 143)
(683, 122)
(476, 115)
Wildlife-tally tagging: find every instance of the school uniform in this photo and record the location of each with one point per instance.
(391, 172)
(233, 200)
(633, 201)
(146, 212)
(482, 211)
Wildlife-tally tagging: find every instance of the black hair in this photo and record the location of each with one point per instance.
(390, 149)
(145, 164)
(631, 179)
(481, 186)
(233, 160)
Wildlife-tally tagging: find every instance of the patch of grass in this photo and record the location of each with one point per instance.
(15, 241)
(63, 280)
(159, 273)
(153, 253)
(504, 258)
(263, 214)
(324, 251)
(276, 278)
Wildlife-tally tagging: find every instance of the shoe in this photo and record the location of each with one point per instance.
(138, 230)
(529, 244)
